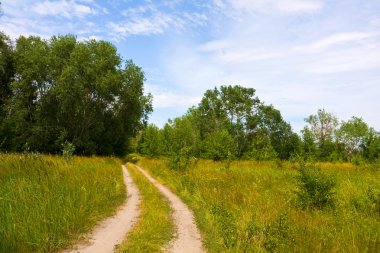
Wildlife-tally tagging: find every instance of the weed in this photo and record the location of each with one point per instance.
(68, 150)
(315, 189)
(277, 234)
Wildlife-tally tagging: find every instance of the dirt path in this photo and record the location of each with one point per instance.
(188, 238)
(112, 230)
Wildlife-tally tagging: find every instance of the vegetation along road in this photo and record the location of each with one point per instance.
(188, 237)
(112, 230)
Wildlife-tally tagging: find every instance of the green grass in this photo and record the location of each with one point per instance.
(252, 207)
(46, 203)
(155, 227)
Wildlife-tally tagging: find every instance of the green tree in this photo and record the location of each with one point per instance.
(152, 141)
(73, 91)
(219, 145)
(309, 145)
(323, 126)
(7, 72)
(371, 147)
(353, 134)
(281, 137)
(228, 108)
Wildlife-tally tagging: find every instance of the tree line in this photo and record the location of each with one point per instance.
(231, 122)
(60, 90)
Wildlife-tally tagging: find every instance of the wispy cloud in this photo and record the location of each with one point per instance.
(63, 8)
(339, 40)
(149, 19)
(270, 6)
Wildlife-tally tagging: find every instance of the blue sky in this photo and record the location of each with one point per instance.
(299, 55)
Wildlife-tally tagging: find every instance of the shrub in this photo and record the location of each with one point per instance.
(315, 189)
(277, 234)
(182, 159)
(131, 158)
(68, 149)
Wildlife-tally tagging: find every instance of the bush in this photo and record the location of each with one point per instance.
(315, 189)
(68, 150)
(131, 158)
(182, 159)
(278, 236)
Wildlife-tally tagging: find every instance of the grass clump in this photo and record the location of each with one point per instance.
(155, 227)
(315, 189)
(46, 202)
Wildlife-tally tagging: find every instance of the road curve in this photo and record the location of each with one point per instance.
(188, 239)
(111, 231)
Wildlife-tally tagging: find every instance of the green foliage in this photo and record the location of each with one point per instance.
(277, 234)
(220, 145)
(182, 159)
(227, 223)
(78, 88)
(369, 201)
(68, 150)
(315, 189)
(151, 141)
(131, 158)
(323, 128)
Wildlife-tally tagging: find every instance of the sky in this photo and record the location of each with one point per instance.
(299, 55)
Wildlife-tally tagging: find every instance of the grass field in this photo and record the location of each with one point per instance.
(47, 202)
(155, 227)
(252, 207)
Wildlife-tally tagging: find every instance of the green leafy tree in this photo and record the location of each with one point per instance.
(73, 91)
(228, 108)
(7, 71)
(352, 134)
(220, 145)
(323, 126)
(152, 141)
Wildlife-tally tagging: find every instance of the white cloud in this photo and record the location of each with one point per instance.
(270, 6)
(150, 20)
(142, 25)
(163, 98)
(68, 9)
(339, 40)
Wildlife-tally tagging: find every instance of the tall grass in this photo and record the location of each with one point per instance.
(155, 227)
(252, 207)
(46, 203)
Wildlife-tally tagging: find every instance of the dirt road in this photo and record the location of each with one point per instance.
(112, 230)
(188, 238)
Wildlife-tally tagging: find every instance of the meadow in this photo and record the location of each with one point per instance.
(251, 206)
(47, 202)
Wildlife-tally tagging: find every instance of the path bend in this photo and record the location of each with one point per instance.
(111, 231)
(188, 239)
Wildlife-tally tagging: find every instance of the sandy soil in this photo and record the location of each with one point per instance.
(111, 231)
(188, 238)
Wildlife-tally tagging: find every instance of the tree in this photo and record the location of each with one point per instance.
(352, 134)
(323, 126)
(73, 91)
(280, 135)
(219, 145)
(7, 72)
(371, 147)
(309, 146)
(230, 108)
(152, 141)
